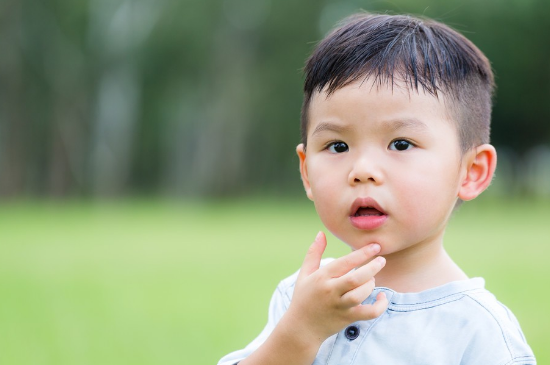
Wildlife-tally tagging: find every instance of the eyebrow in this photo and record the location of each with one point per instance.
(391, 125)
(410, 123)
(327, 126)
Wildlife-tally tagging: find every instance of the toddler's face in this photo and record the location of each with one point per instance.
(382, 166)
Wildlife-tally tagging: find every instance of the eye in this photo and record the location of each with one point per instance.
(337, 147)
(400, 145)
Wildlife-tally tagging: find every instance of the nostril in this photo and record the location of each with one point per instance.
(356, 180)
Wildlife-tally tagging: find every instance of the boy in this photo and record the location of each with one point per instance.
(395, 133)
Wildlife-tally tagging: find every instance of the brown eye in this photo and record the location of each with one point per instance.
(338, 147)
(400, 145)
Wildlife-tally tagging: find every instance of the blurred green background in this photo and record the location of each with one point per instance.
(154, 282)
(149, 193)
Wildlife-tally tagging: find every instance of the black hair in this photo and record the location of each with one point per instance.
(420, 54)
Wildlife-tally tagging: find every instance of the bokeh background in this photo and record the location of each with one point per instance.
(149, 193)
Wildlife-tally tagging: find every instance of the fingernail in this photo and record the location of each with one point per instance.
(381, 260)
(375, 247)
(318, 235)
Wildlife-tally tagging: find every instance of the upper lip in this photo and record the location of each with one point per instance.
(365, 203)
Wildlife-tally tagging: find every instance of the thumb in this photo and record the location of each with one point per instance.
(313, 256)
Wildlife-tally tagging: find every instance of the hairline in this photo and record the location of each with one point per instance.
(451, 103)
(467, 97)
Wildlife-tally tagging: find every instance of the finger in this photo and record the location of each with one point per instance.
(313, 256)
(362, 275)
(358, 295)
(356, 258)
(367, 312)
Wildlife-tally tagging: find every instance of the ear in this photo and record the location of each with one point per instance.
(480, 163)
(301, 151)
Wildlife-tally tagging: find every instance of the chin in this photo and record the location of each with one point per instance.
(356, 244)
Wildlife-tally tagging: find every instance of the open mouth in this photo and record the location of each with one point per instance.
(366, 207)
(367, 212)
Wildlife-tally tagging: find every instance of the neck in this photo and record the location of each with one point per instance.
(418, 268)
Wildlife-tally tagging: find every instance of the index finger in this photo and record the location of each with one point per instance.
(345, 264)
(313, 257)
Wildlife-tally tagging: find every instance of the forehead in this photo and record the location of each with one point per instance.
(376, 104)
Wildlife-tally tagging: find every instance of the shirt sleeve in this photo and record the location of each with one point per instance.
(498, 339)
(277, 307)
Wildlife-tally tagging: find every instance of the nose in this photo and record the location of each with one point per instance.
(366, 170)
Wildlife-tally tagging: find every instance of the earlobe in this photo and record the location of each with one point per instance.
(301, 152)
(480, 164)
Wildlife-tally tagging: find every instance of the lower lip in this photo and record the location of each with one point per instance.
(368, 222)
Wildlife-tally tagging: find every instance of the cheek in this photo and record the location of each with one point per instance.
(326, 192)
(429, 183)
(324, 197)
(323, 179)
(436, 171)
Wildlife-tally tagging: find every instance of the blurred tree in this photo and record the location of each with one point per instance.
(111, 97)
(12, 113)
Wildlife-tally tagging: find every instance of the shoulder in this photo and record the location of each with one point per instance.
(464, 319)
(488, 313)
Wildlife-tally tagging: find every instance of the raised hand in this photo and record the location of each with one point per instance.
(325, 300)
(329, 298)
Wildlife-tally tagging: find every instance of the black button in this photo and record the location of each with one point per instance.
(352, 332)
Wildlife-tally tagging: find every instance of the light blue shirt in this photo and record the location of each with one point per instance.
(456, 323)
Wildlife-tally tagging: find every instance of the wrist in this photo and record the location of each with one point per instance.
(299, 335)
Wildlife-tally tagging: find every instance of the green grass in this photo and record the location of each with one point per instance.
(141, 282)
